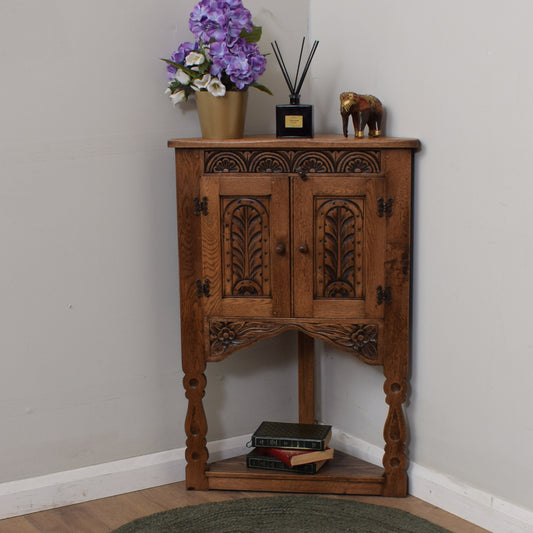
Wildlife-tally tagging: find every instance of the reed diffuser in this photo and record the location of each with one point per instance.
(294, 119)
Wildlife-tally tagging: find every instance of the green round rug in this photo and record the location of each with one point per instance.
(282, 514)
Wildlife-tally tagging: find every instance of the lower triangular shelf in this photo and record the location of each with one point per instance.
(342, 475)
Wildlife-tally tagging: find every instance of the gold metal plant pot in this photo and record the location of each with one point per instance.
(222, 117)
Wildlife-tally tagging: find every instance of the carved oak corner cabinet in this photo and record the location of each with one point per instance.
(311, 235)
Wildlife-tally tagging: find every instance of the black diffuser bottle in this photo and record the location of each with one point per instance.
(294, 119)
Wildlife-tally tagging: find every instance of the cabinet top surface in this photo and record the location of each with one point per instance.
(319, 141)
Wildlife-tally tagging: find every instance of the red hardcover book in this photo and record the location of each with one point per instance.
(258, 458)
(299, 457)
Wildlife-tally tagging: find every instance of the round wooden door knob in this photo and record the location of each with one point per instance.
(280, 248)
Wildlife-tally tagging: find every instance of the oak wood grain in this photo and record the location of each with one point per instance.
(193, 360)
(319, 141)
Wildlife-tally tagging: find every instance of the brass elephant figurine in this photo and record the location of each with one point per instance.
(365, 109)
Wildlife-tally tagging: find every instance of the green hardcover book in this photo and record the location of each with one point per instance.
(290, 435)
(258, 459)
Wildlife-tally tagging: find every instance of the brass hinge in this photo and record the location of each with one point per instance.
(200, 206)
(384, 207)
(202, 289)
(384, 295)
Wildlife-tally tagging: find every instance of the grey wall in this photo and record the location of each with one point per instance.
(90, 344)
(456, 75)
(89, 368)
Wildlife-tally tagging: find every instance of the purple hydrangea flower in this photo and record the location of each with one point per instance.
(241, 61)
(219, 20)
(240, 19)
(244, 63)
(239, 71)
(218, 51)
(256, 59)
(230, 61)
(208, 20)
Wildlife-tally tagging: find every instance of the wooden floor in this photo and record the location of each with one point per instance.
(102, 516)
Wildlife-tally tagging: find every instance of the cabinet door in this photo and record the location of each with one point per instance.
(339, 247)
(245, 245)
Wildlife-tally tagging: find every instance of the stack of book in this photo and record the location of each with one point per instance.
(290, 447)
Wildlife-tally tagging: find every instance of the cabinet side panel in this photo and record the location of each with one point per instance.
(398, 259)
(190, 262)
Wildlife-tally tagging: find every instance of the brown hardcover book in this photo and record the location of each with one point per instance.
(299, 457)
(258, 458)
(291, 435)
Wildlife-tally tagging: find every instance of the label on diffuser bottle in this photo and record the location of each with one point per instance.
(294, 121)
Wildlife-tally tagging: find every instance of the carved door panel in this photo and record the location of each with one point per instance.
(245, 236)
(339, 247)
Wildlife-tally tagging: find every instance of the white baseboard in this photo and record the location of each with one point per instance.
(104, 480)
(476, 506)
(127, 475)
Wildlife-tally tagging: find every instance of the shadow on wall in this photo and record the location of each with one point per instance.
(232, 390)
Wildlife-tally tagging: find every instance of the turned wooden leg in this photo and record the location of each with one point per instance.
(196, 453)
(395, 435)
(306, 379)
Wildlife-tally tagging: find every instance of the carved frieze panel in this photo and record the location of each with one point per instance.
(339, 247)
(261, 162)
(309, 162)
(228, 336)
(359, 162)
(284, 161)
(226, 162)
(245, 246)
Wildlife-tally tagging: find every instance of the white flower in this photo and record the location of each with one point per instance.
(175, 98)
(182, 77)
(216, 87)
(168, 91)
(194, 58)
(202, 82)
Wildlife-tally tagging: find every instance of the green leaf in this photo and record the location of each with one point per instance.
(261, 88)
(192, 73)
(254, 36)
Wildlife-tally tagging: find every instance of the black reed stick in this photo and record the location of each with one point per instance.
(299, 61)
(279, 60)
(294, 88)
(284, 70)
(307, 65)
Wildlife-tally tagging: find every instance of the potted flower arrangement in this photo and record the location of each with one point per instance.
(219, 66)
